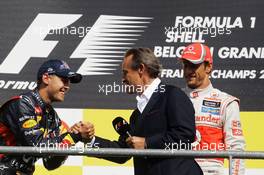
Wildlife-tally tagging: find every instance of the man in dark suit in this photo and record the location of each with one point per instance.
(164, 118)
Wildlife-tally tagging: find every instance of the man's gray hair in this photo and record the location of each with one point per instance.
(145, 56)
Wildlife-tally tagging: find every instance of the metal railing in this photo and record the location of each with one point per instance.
(105, 152)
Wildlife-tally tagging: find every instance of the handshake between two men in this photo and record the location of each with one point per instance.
(164, 115)
(87, 132)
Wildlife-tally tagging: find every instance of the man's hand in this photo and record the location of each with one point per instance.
(86, 129)
(136, 142)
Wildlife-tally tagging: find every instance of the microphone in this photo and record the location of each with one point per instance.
(121, 126)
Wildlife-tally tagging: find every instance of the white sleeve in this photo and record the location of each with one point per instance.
(234, 139)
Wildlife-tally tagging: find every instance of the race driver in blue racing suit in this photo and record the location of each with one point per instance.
(30, 120)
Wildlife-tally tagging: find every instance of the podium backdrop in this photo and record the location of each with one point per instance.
(92, 36)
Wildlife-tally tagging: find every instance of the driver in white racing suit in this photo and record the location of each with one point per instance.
(216, 112)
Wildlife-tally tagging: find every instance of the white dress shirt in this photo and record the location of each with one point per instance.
(143, 99)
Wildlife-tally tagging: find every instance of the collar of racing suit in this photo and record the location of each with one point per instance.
(193, 93)
(46, 110)
(44, 106)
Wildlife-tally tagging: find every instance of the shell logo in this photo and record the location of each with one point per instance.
(29, 123)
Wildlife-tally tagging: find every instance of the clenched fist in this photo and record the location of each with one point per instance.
(86, 129)
(136, 142)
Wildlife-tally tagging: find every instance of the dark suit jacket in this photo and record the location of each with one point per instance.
(168, 119)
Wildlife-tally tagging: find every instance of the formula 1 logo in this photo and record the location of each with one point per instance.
(102, 47)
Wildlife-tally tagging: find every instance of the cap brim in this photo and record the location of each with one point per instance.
(192, 60)
(72, 76)
(75, 78)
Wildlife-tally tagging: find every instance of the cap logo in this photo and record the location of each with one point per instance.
(64, 65)
(190, 50)
(50, 70)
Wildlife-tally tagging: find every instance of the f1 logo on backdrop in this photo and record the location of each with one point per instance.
(102, 47)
